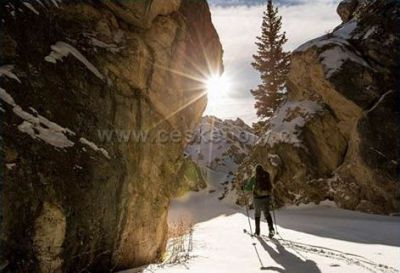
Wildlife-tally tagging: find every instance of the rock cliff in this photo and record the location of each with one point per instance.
(91, 92)
(336, 135)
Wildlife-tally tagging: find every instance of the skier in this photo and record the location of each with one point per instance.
(261, 187)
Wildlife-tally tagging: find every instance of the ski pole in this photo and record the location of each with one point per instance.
(276, 227)
(273, 214)
(258, 255)
(248, 217)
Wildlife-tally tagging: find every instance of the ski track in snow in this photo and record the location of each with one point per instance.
(336, 255)
(311, 239)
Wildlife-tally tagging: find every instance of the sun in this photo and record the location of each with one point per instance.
(218, 87)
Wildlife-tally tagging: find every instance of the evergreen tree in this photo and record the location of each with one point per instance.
(272, 62)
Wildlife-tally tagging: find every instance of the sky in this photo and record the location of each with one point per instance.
(238, 23)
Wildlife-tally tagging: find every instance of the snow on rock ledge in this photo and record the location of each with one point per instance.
(62, 49)
(285, 126)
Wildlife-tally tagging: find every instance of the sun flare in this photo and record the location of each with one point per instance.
(218, 87)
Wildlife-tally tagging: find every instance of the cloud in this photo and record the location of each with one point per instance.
(230, 3)
(239, 25)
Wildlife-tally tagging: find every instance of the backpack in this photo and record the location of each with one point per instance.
(263, 186)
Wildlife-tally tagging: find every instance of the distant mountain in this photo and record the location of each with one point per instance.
(221, 145)
(218, 148)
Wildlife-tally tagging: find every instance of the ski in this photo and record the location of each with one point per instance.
(249, 233)
(268, 238)
(253, 235)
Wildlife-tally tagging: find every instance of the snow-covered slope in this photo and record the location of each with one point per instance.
(208, 203)
(221, 145)
(312, 240)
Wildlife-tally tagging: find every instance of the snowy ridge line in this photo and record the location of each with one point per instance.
(321, 42)
(342, 256)
(62, 49)
(338, 53)
(338, 37)
(346, 30)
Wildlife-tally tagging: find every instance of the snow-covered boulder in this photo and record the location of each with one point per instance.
(336, 134)
(87, 87)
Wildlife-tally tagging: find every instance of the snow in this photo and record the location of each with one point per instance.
(337, 51)
(337, 37)
(203, 205)
(334, 58)
(54, 138)
(56, 3)
(219, 143)
(311, 240)
(346, 30)
(336, 48)
(10, 166)
(286, 124)
(94, 147)
(379, 101)
(274, 159)
(6, 97)
(6, 70)
(62, 49)
(321, 42)
(110, 47)
(38, 127)
(29, 6)
(331, 180)
(370, 32)
(40, 3)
